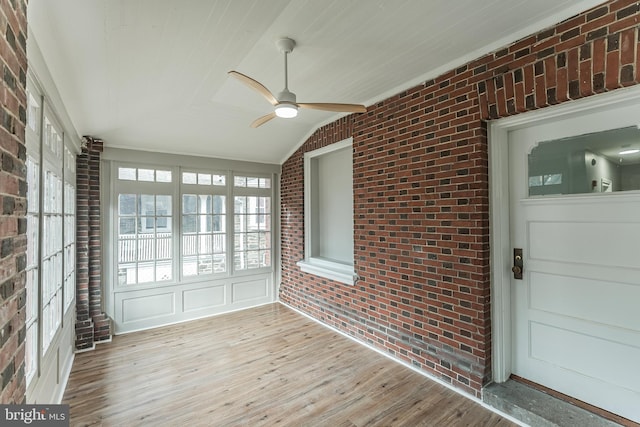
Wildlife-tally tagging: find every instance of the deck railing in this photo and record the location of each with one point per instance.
(147, 247)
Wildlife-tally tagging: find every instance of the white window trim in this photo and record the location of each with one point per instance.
(323, 267)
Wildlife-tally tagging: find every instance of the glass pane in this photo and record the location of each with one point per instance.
(265, 204)
(189, 224)
(163, 205)
(204, 179)
(253, 259)
(127, 226)
(146, 272)
(163, 248)
(190, 265)
(127, 274)
(265, 240)
(252, 222)
(219, 179)
(163, 271)
(163, 176)
(239, 204)
(240, 242)
(218, 204)
(240, 223)
(253, 182)
(204, 204)
(265, 183)
(253, 241)
(189, 203)
(218, 223)
(600, 162)
(189, 178)
(147, 205)
(31, 351)
(127, 204)
(239, 181)
(252, 204)
(146, 225)
(128, 174)
(239, 260)
(205, 265)
(146, 175)
(219, 243)
(146, 249)
(265, 258)
(127, 250)
(206, 223)
(219, 263)
(163, 225)
(190, 244)
(205, 244)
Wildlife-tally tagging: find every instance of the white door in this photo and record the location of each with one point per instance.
(576, 311)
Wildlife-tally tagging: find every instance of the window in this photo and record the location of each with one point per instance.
(251, 223)
(600, 162)
(50, 270)
(204, 224)
(52, 238)
(32, 270)
(170, 231)
(69, 229)
(144, 238)
(328, 193)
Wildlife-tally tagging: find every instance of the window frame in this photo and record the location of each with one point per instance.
(178, 189)
(144, 187)
(50, 297)
(250, 191)
(204, 190)
(313, 263)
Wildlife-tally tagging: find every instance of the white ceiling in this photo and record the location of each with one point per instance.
(152, 74)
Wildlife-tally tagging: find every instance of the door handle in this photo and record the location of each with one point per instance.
(518, 264)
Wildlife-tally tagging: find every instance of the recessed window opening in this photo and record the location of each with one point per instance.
(328, 179)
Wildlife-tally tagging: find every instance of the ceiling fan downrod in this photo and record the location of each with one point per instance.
(286, 107)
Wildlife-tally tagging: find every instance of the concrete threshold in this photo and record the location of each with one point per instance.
(536, 408)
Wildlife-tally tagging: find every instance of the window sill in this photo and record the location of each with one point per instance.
(339, 272)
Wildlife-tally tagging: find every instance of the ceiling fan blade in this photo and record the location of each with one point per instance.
(255, 85)
(262, 120)
(340, 108)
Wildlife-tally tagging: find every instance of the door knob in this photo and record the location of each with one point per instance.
(518, 264)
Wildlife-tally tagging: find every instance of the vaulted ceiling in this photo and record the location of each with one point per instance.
(152, 74)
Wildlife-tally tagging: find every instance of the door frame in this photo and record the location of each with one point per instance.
(499, 213)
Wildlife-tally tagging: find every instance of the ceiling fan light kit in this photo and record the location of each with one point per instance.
(286, 111)
(285, 104)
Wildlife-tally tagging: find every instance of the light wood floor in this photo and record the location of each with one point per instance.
(265, 366)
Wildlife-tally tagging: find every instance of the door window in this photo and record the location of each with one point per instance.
(600, 162)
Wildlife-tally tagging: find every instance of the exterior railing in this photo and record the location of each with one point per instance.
(147, 247)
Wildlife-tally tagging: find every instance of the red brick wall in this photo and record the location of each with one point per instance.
(421, 207)
(13, 190)
(92, 324)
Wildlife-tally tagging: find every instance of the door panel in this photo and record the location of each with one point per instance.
(576, 322)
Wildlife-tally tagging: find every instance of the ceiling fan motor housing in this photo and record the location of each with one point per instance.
(286, 97)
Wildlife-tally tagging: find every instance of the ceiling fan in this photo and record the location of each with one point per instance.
(285, 103)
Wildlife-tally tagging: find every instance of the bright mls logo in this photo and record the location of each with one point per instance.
(34, 415)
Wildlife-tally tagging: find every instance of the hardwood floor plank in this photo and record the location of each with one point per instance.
(259, 367)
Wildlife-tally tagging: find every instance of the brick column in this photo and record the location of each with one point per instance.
(13, 204)
(92, 324)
